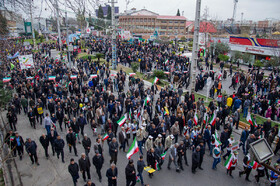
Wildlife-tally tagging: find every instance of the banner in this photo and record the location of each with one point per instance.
(26, 61)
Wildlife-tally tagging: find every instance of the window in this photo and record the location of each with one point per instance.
(181, 27)
(182, 21)
(170, 21)
(163, 27)
(175, 27)
(141, 20)
(175, 21)
(170, 27)
(145, 20)
(163, 21)
(161, 33)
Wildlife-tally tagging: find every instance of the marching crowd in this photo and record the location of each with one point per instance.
(164, 123)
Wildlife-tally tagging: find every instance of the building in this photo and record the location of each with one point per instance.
(143, 23)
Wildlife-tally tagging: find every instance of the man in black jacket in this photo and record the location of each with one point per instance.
(195, 159)
(52, 137)
(112, 174)
(140, 167)
(86, 144)
(84, 165)
(224, 138)
(44, 140)
(31, 149)
(130, 173)
(59, 116)
(73, 169)
(113, 150)
(71, 141)
(59, 145)
(267, 127)
(98, 161)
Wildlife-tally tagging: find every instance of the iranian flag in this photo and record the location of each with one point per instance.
(6, 79)
(133, 149)
(12, 138)
(166, 61)
(51, 78)
(163, 155)
(195, 118)
(185, 72)
(131, 74)
(250, 119)
(56, 59)
(228, 162)
(220, 75)
(105, 136)
(73, 76)
(115, 75)
(138, 114)
(130, 115)
(147, 100)
(205, 119)
(29, 78)
(93, 76)
(46, 56)
(167, 73)
(213, 119)
(155, 80)
(138, 179)
(253, 164)
(68, 84)
(157, 166)
(121, 121)
(217, 141)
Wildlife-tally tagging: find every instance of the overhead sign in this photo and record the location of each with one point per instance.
(26, 61)
(88, 30)
(70, 48)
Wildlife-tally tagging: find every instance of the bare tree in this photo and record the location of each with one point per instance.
(127, 2)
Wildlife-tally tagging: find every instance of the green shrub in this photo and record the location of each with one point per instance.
(258, 63)
(223, 57)
(158, 74)
(135, 67)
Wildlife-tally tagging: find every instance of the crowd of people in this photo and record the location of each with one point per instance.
(164, 121)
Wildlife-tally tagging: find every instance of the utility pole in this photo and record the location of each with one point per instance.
(31, 17)
(67, 40)
(58, 25)
(114, 46)
(195, 46)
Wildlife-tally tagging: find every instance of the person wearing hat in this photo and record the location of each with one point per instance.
(273, 175)
(130, 173)
(168, 142)
(230, 142)
(98, 161)
(73, 169)
(158, 140)
(233, 163)
(149, 143)
(195, 159)
(31, 149)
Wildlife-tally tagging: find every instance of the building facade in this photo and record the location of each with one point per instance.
(144, 23)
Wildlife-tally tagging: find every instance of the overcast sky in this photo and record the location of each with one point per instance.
(217, 9)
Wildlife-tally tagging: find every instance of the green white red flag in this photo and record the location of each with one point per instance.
(133, 149)
(217, 141)
(105, 136)
(73, 76)
(52, 78)
(253, 164)
(163, 155)
(228, 162)
(122, 120)
(157, 166)
(131, 74)
(147, 100)
(166, 61)
(195, 118)
(250, 119)
(155, 80)
(93, 76)
(6, 79)
(213, 119)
